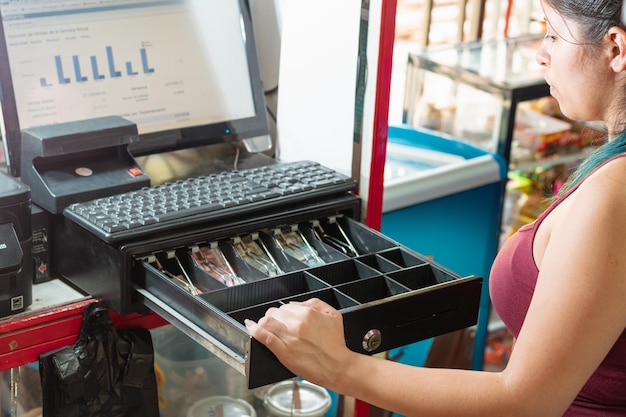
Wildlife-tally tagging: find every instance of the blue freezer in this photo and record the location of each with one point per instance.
(442, 198)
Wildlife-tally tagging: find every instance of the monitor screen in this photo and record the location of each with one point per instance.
(185, 71)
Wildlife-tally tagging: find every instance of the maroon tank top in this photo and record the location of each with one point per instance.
(512, 283)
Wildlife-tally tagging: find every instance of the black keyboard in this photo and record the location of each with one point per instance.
(159, 208)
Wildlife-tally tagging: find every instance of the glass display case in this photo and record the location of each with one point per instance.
(493, 95)
(472, 90)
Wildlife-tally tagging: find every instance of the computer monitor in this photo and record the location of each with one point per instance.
(185, 71)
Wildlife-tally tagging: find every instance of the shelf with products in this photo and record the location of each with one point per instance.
(540, 166)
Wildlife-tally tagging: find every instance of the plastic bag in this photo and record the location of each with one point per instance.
(106, 373)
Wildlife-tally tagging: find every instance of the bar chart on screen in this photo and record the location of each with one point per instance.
(90, 67)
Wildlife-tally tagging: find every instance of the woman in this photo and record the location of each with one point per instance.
(559, 284)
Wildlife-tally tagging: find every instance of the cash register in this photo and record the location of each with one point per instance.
(141, 130)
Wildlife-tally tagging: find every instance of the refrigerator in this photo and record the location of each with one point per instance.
(442, 198)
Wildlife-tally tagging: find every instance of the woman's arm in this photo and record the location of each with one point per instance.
(308, 338)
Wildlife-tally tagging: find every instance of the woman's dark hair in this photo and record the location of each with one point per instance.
(594, 160)
(593, 18)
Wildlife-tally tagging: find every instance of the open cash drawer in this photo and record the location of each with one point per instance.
(389, 296)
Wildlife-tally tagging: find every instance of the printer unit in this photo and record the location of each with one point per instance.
(16, 269)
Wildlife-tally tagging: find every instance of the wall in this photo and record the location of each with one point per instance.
(316, 70)
(317, 81)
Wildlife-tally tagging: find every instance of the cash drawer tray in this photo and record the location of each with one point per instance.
(389, 296)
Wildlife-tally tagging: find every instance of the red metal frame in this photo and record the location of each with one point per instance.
(24, 336)
(381, 114)
(380, 133)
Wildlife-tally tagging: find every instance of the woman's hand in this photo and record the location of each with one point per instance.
(307, 337)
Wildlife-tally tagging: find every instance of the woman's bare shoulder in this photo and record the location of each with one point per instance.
(608, 183)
